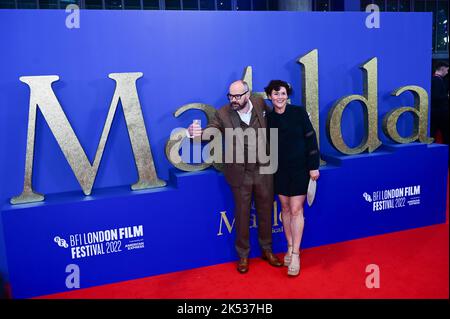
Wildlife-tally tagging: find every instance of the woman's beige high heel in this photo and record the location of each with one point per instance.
(294, 266)
(288, 256)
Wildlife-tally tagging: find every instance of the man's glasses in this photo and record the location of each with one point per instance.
(236, 96)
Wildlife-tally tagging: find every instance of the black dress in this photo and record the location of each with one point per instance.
(297, 150)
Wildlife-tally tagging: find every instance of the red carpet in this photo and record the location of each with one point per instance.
(412, 263)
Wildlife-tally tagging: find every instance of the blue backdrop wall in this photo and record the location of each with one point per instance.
(191, 57)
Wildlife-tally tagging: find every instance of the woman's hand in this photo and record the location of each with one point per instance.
(314, 174)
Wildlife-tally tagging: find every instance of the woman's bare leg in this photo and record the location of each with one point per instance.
(297, 221)
(286, 217)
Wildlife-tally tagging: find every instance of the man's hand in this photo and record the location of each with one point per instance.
(314, 174)
(194, 130)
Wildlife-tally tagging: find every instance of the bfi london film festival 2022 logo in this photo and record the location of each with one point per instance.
(393, 198)
(103, 242)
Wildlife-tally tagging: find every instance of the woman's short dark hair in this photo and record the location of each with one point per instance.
(276, 85)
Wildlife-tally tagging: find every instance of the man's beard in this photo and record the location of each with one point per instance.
(238, 106)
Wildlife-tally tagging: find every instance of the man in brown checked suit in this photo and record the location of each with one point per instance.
(245, 178)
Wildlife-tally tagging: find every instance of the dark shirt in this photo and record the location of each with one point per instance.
(297, 143)
(439, 92)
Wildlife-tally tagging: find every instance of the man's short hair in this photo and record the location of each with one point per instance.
(440, 64)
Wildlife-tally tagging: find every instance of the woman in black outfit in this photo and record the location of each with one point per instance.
(298, 161)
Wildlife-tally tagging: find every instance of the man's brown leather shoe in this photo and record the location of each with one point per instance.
(242, 266)
(271, 259)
